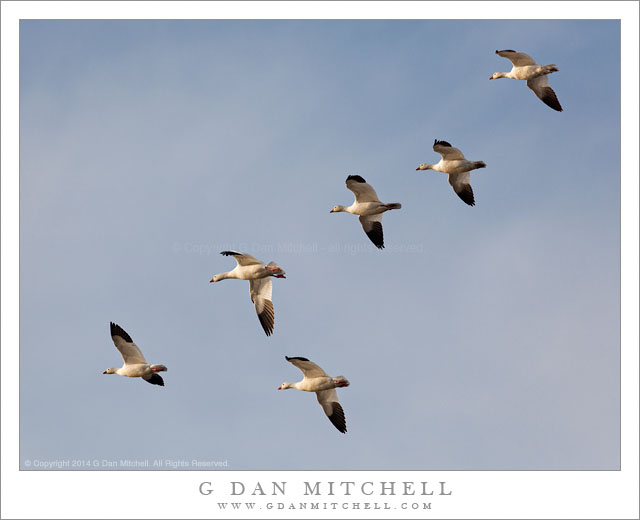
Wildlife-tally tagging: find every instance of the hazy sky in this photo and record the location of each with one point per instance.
(481, 338)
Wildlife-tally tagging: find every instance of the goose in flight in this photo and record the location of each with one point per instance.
(316, 380)
(525, 67)
(458, 168)
(134, 363)
(368, 207)
(259, 276)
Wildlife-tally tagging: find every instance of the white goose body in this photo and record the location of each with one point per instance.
(364, 209)
(245, 272)
(450, 167)
(368, 207)
(454, 164)
(134, 363)
(525, 68)
(527, 72)
(260, 287)
(315, 384)
(317, 380)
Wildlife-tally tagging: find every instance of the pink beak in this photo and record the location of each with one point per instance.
(210, 281)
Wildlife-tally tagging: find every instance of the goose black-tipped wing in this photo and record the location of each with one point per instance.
(129, 351)
(155, 379)
(337, 418)
(298, 358)
(241, 258)
(545, 93)
(267, 317)
(372, 226)
(308, 368)
(117, 330)
(362, 191)
(260, 291)
(328, 399)
(448, 152)
(460, 184)
(518, 59)
(356, 178)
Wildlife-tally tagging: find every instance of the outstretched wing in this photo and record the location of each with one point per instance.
(241, 258)
(519, 59)
(460, 184)
(363, 191)
(309, 368)
(130, 352)
(448, 152)
(372, 226)
(328, 399)
(260, 291)
(545, 93)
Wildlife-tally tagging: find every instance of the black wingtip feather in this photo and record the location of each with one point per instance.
(466, 194)
(375, 235)
(267, 318)
(505, 50)
(337, 418)
(117, 330)
(443, 143)
(155, 379)
(550, 99)
(296, 357)
(229, 253)
(356, 178)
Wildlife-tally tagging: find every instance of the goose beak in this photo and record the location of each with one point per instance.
(331, 211)
(418, 168)
(211, 281)
(104, 372)
(280, 276)
(280, 388)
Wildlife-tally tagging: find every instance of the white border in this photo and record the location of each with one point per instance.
(540, 494)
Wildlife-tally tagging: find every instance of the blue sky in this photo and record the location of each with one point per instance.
(481, 338)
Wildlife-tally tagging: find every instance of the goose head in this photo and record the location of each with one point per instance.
(424, 166)
(284, 386)
(497, 75)
(110, 371)
(337, 209)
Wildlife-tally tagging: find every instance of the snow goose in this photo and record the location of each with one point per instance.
(316, 380)
(458, 168)
(134, 363)
(525, 67)
(368, 207)
(258, 274)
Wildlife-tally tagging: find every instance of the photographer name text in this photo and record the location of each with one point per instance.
(330, 488)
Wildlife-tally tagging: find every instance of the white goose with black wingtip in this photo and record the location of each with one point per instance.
(317, 380)
(259, 276)
(455, 164)
(368, 207)
(526, 68)
(134, 363)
